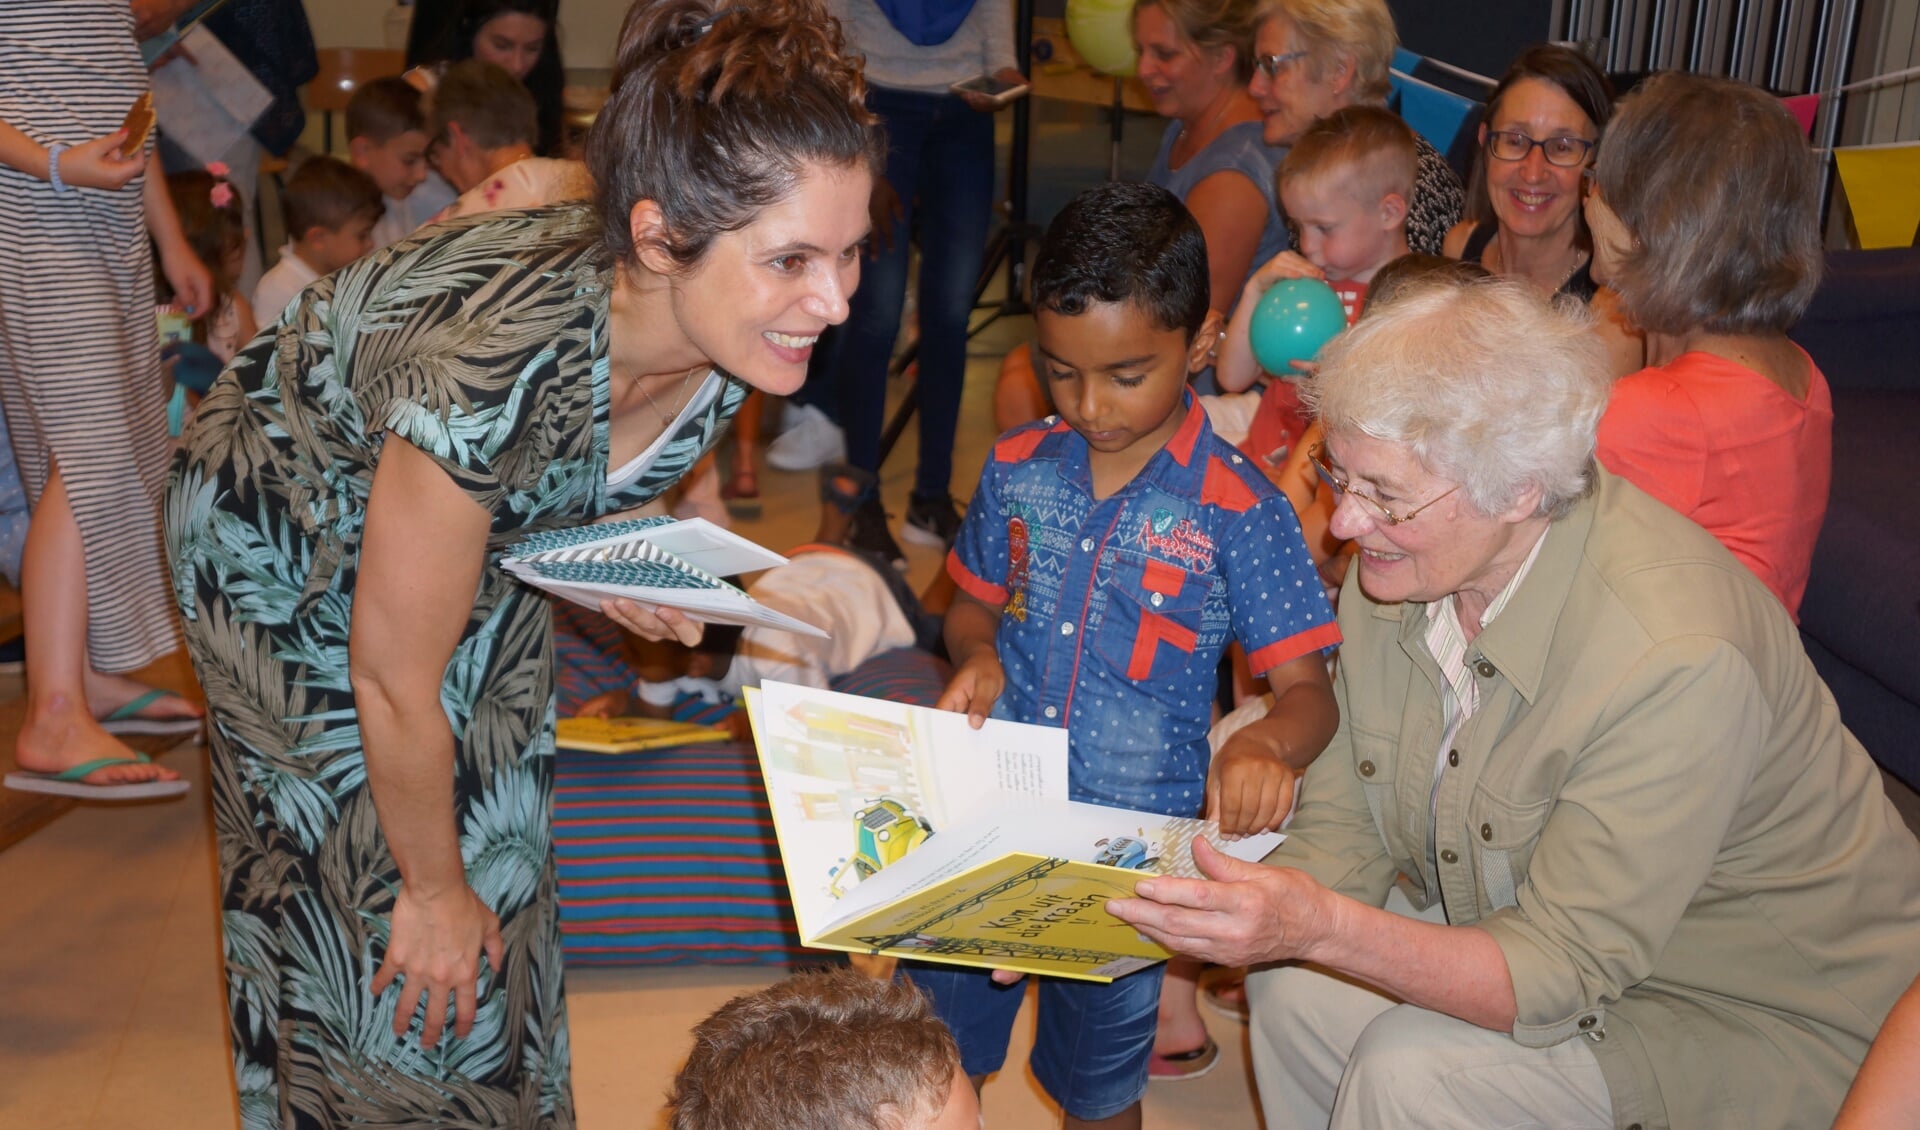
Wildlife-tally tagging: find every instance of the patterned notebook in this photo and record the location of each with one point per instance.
(660, 561)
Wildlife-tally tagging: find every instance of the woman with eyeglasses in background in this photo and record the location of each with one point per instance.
(1542, 128)
(1312, 57)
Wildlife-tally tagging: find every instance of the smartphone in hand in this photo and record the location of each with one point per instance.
(996, 90)
(138, 123)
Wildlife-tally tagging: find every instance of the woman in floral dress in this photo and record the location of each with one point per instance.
(381, 690)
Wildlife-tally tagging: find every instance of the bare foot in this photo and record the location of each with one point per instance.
(1173, 1039)
(60, 734)
(108, 693)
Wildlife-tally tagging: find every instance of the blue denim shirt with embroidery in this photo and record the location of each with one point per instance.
(1116, 611)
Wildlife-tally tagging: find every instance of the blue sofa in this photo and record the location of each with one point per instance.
(1860, 618)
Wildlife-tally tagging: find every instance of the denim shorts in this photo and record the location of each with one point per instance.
(1090, 1052)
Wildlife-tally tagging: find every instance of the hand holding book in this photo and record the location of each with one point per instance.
(906, 831)
(658, 577)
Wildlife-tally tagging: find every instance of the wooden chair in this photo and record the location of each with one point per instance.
(342, 70)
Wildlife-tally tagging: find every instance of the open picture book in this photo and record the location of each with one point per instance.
(904, 831)
(675, 563)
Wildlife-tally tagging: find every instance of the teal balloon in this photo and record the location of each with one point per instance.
(1102, 32)
(1294, 319)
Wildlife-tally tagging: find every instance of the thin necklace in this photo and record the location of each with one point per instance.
(667, 418)
(1579, 260)
(1226, 103)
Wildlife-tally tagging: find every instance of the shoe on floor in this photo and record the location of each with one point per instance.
(1184, 1065)
(868, 531)
(13, 656)
(931, 521)
(69, 783)
(134, 719)
(810, 440)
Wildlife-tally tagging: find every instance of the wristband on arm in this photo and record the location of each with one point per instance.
(53, 168)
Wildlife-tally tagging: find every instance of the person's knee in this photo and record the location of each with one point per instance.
(1399, 1059)
(1290, 996)
(1291, 1008)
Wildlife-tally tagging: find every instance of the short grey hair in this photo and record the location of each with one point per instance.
(1491, 385)
(1328, 30)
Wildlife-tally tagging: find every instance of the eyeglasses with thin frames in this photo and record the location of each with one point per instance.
(1317, 457)
(1512, 145)
(1270, 65)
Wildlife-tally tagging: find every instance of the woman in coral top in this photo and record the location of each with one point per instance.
(1705, 220)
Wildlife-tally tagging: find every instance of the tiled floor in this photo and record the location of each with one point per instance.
(111, 1007)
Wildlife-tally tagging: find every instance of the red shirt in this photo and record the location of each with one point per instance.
(1280, 419)
(1733, 451)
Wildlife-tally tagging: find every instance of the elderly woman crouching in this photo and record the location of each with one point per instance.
(1653, 881)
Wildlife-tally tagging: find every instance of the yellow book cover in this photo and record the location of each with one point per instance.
(630, 735)
(904, 831)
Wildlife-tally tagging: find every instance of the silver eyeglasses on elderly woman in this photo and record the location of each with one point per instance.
(1560, 865)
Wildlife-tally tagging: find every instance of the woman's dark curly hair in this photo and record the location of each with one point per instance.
(715, 113)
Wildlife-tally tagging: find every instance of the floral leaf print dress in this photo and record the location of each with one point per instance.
(483, 343)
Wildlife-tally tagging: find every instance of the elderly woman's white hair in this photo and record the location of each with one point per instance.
(1489, 383)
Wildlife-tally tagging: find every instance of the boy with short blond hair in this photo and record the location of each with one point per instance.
(387, 140)
(1344, 188)
(330, 209)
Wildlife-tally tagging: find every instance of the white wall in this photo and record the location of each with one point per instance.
(588, 28)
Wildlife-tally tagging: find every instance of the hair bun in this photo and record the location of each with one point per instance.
(704, 49)
(716, 105)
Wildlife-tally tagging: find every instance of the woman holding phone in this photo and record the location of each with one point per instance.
(80, 380)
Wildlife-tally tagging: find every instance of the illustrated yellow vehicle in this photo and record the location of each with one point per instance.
(883, 832)
(1128, 852)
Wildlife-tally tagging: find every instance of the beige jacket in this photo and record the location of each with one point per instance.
(1656, 813)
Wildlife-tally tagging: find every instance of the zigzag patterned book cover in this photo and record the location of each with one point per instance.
(906, 832)
(658, 561)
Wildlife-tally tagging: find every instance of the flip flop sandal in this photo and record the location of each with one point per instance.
(742, 501)
(844, 486)
(1184, 1065)
(129, 719)
(68, 782)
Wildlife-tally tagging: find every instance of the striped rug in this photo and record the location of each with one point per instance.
(669, 857)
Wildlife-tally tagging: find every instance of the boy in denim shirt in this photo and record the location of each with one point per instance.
(1108, 557)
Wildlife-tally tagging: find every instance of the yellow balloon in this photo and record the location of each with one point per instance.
(1102, 32)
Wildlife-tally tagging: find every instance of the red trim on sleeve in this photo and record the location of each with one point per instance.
(1155, 630)
(1293, 647)
(1224, 489)
(978, 588)
(1162, 577)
